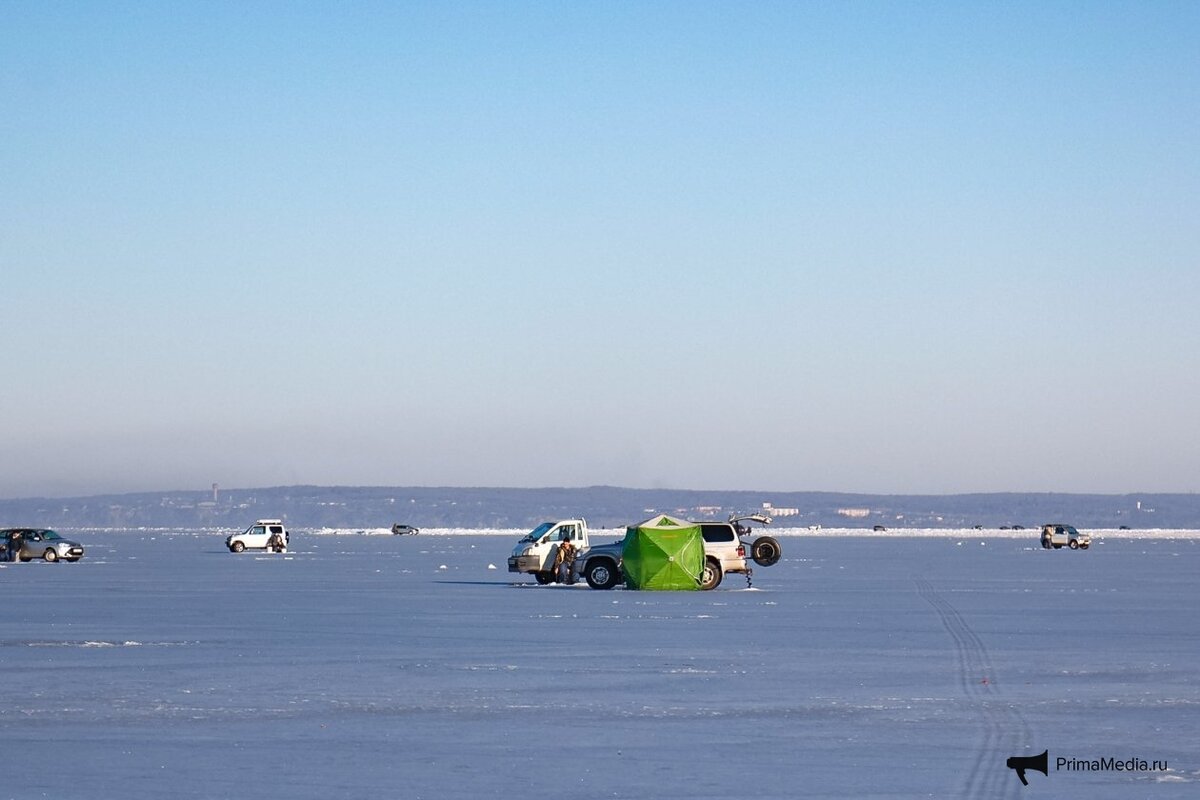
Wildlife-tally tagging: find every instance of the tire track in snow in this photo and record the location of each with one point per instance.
(1005, 731)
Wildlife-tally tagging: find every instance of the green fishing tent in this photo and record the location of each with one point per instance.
(663, 553)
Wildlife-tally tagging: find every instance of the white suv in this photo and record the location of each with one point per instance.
(1056, 534)
(725, 550)
(266, 534)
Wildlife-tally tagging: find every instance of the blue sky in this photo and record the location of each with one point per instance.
(848, 246)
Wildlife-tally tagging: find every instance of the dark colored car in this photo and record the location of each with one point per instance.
(40, 543)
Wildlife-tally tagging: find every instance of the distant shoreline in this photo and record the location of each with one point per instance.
(1098, 534)
(429, 508)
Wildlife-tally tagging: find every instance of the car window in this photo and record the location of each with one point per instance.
(717, 533)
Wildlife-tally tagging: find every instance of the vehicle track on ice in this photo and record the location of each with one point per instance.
(1005, 731)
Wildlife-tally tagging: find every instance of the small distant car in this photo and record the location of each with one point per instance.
(1057, 534)
(400, 530)
(266, 534)
(41, 543)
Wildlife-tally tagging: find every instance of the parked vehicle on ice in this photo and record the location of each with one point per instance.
(401, 530)
(536, 552)
(266, 534)
(40, 543)
(725, 548)
(1057, 534)
(726, 545)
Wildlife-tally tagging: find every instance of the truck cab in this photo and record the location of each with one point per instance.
(535, 552)
(265, 534)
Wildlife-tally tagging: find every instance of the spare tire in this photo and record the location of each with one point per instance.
(765, 551)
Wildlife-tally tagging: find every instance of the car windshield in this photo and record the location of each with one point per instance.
(538, 532)
(50, 535)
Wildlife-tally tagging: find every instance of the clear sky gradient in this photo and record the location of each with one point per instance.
(879, 247)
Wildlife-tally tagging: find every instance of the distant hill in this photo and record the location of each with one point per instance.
(603, 506)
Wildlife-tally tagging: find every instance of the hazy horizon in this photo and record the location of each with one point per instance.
(871, 248)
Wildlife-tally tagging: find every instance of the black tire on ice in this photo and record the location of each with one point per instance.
(237, 547)
(543, 578)
(1073, 544)
(50, 555)
(711, 577)
(765, 551)
(602, 574)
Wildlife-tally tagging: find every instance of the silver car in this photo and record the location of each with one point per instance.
(1056, 534)
(39, 543)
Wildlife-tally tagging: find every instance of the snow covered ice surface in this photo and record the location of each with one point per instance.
(360, 666)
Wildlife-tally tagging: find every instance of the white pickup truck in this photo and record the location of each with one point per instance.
(536, 552)
(600, 564)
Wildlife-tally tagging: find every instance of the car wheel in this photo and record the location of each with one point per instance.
(72, 559)
(711, 577)
(1083, 547)
(50, 555)
(237, 547)
(543, 577)
(765, 551)
(602, 575)
(1073, 544)
(1058, 547)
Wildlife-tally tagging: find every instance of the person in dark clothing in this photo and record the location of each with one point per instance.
(564, 563)
(14, 545)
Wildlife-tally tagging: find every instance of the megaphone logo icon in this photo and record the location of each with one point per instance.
(1022, 763)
